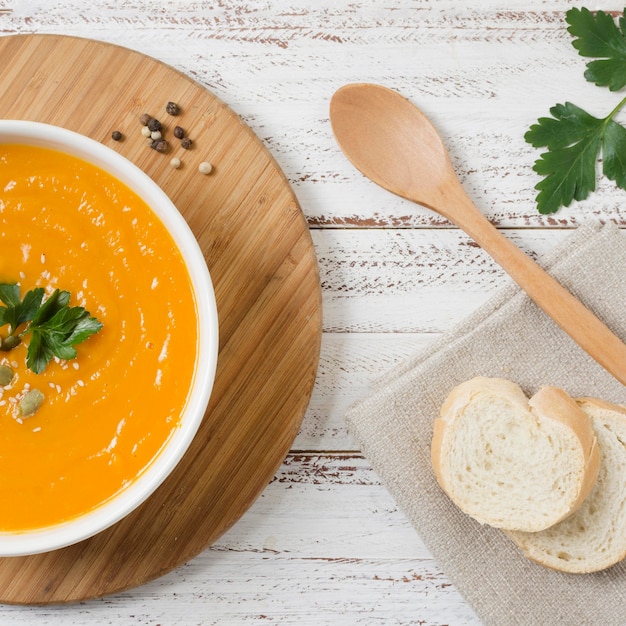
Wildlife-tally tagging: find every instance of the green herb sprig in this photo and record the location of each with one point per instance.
(54, 327)
(576, 140)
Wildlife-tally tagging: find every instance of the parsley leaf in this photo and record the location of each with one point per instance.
(55, 328)
(575, 139)
(597, 36)
(53, 304)
(16, 311)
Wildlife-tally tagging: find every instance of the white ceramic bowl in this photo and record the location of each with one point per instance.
(91, 523)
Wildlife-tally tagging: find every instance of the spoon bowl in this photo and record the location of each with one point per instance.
(393, 143)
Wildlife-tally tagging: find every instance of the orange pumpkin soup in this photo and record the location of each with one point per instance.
(107, 413)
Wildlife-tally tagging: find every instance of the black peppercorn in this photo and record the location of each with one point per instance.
(186, 143)
(179, 133)
(144, 119)
(172, 108)
(116, 135)
(160, 145)
(153, 124)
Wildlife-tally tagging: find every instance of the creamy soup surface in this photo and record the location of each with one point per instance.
(106, 414)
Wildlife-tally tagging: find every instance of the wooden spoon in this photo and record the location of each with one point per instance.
(391, 142)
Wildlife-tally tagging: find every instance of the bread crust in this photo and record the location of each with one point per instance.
(602, 404)
(596, 560)
(554, 403)
(548, 403)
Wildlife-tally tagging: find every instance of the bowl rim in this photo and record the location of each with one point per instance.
(77, 529)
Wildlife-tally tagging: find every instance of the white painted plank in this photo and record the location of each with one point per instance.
(304, 495)
(349, 364)
(230, 588)
(420, 281)
(483, 73)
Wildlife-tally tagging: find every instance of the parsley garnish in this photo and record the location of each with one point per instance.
(574, 138)
(598, 37)
(54, 326)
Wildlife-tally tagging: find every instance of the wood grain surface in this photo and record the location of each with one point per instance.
(324, 544)
(261, 258)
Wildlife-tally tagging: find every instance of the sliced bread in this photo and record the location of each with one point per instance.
(510, 462)
(594, 537)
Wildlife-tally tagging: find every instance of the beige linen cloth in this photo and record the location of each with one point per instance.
(507, 337)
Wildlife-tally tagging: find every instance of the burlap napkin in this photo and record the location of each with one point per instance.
(507, 337)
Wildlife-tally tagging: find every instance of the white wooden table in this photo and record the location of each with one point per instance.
(326, 543)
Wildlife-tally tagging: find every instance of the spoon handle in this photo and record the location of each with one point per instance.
(568, 312)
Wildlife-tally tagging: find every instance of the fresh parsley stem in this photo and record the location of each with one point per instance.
(616, 110)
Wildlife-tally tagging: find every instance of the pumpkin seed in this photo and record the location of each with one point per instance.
(6, 375)
(31, 402)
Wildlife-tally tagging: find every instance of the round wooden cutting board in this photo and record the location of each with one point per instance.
(261, 258)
